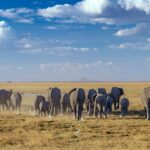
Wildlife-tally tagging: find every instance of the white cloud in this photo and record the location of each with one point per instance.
(48, 46)
(131, 31)
(148, 40)
(22, 15)
(131, 46)
(75, 66)
(85, 11)
(4, 29)
(52, 27)
(105, 20)
(143, 5)
(91, 7)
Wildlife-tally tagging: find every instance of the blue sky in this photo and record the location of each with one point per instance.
(68, 40)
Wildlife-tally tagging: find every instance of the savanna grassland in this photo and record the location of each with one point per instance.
(26, 131)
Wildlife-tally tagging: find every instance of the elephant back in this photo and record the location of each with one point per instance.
(91, 93)
(81, 95)
(56, 93)
(124, 102)
(102, 91)
(5, 95)
(65, 98)
(39, 99)
(115, 92)
(101, 99)
(109, 99)
(121, 91)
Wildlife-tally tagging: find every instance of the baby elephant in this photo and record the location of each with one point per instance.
(100, 105)
(65, 104)
(124, 106)
(39, 99)
(44, 108)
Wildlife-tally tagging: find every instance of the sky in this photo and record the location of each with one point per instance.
(71, 40)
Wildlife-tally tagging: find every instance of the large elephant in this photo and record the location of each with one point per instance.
(124, 106)
(145, 98)
(90, 101)
(65, 103)
(5, 98)
(16, 100)
(54, 96)
(100, 105)
(39, 99)
(116, 94)
(77, 99)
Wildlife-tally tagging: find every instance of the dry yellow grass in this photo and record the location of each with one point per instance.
(25, 131)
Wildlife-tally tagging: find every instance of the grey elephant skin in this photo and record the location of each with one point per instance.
(100, 105)
(44, 108)
(54, 96)
(124, 106)
(77, 99)
(109, 102)
(16, 100)
(5, 99)
(116, 94)
(65, 103)
(145, 98)
(39, 99)
(89, 102)
(102, 91)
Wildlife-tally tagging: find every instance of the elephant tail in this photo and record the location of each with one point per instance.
(72, 91)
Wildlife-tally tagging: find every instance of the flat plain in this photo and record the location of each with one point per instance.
(26, 131)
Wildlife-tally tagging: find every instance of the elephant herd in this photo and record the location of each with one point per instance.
(94, 102)
(97, 102)
(10, 99)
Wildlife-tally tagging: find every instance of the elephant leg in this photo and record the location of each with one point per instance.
(56, 109)
(145, 112)
(114, 105)
(7, 107)
(80, 111)
(148, 113)
(101, 110)
(52, 110)
(96, 110)
(75, 112)
(39, 112)
(122, 112)
(62, 108)
(105, 111)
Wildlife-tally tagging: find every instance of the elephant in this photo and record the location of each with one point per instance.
(109, 102)
(44, 108)
(65, 103)
(100, 105)
(145, 98)
(39, 99)
(77, 99)
(16, 100)
(90, 101)
(116, 94)
(124, 106)
(54, 97)
(5, 98)
(102, 91)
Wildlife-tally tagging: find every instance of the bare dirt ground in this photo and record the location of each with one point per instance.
(25, 131)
